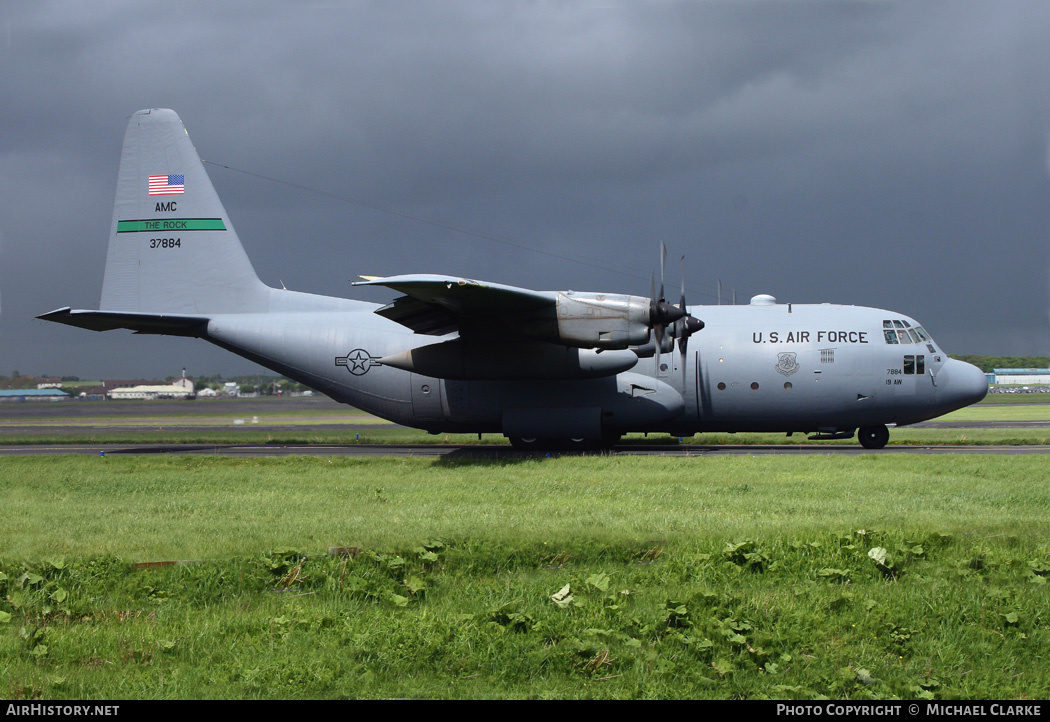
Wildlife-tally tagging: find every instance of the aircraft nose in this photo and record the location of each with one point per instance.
(964, 383)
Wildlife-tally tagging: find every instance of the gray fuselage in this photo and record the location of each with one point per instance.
(771, 367)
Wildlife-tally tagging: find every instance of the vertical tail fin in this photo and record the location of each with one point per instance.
(172, 247)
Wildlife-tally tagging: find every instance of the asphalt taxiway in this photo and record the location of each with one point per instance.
(489, 451)
(321, 413)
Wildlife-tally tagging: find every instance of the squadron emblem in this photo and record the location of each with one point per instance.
(786, 363)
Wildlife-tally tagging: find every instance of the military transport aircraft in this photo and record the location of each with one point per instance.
(544, 368)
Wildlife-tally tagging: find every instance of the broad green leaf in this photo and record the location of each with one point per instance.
(563, 597)
(864, 677)
(599, 581)
(723, 667)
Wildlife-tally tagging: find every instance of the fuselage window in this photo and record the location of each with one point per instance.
(909, 365)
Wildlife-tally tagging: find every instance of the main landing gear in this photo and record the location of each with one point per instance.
(873, 437)
(532, 443)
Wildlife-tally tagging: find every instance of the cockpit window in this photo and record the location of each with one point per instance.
(899, 331)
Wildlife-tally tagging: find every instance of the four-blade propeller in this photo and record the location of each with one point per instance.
(669, 322)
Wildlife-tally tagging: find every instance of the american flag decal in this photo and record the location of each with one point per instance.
(167, 185)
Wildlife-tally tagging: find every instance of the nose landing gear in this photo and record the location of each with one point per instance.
(873, 437)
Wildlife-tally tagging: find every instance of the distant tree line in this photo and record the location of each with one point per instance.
(988, 363)
(19, 383)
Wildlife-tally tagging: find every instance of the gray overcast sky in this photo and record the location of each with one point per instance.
(888, 154)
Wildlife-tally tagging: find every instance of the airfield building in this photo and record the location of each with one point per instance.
(1020, 377)
(33, 395)
(151, 392)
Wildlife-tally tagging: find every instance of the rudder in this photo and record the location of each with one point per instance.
(172, 247)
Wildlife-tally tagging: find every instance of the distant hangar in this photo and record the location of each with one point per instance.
(1019, 377)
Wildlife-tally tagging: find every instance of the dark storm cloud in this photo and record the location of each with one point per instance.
(886, 154)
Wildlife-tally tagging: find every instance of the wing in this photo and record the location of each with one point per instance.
(481, 311)
(507, 332)
(438, 305)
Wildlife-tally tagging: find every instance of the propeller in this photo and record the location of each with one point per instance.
(661, 313)
(667, 321)
(685, 326)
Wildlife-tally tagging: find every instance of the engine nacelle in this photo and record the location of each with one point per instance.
(597, 320)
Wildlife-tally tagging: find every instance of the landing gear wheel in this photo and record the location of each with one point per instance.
(606, 441)
(581, 444)
(873, 437)
(526, 443)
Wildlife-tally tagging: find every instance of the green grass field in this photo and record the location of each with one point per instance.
(876, 576)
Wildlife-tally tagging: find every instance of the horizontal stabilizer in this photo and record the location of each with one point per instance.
(169, 324)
